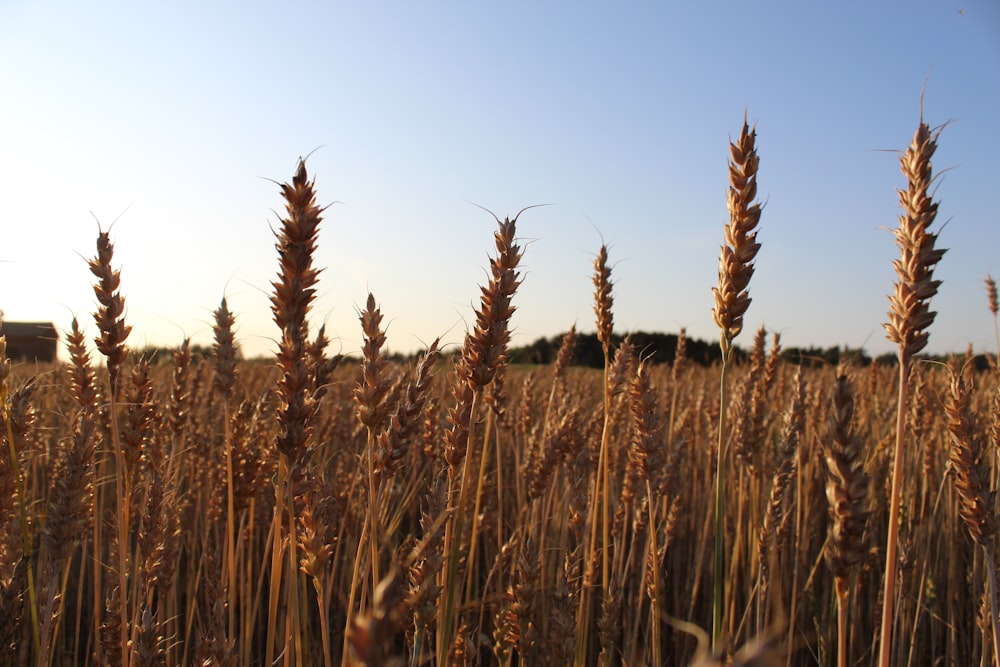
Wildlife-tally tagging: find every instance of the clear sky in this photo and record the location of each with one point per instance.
(173, 120)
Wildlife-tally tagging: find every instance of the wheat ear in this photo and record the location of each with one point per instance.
(991, 296)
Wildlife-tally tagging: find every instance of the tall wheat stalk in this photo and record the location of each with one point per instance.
(909, 318)
(224, 382)
(294, 291)
(600, 499)
(370, 394)
(484, 353)
(736, 267)
(110, 317)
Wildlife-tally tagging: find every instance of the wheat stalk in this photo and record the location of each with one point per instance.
(110, 317)
(909, 318)
(294, 291)
(484, 352)
(224, 382)
(20, 490)
(736, 267)
(847, 493)
(971, 479)
(598, 514)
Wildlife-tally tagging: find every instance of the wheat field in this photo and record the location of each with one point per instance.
(203, 509)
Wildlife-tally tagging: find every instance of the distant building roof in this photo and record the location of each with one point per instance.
(30, 340)
(13, 329)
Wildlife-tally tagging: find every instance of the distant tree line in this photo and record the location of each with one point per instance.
(159, 354)
(831, 356)
(659, 348)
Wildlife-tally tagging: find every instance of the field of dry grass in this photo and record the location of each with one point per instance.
(458, 510)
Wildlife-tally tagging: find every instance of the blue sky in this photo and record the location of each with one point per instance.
(172, 121)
